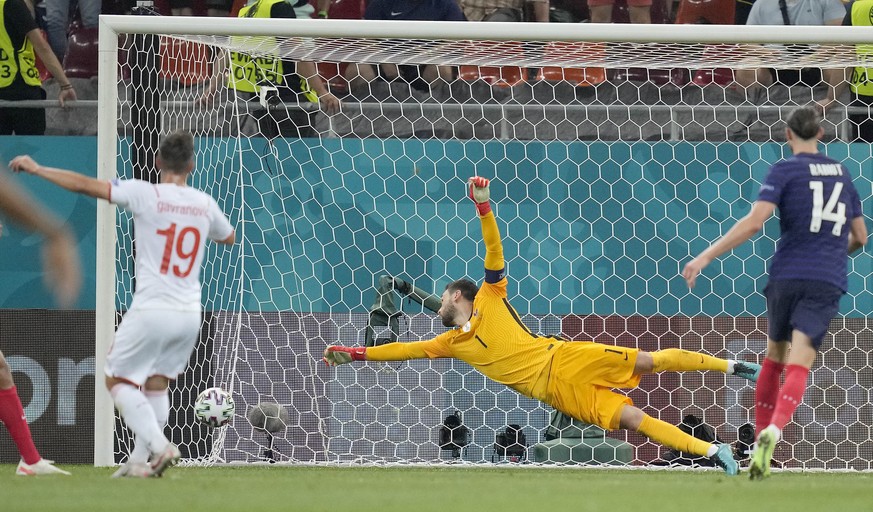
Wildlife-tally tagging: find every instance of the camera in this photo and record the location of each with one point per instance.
(745, 441)
(269, 96)
(453, 434)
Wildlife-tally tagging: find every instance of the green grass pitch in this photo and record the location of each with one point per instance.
(446, 489)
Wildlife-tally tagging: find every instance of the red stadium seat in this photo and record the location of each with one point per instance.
(346, 9)
(677, 77)
(332, 74)
(188, 63)
(720, 76)
(578, 76)
(505, 76)
(81, 58)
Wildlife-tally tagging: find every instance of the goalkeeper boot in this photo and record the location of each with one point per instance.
(762, 455)
(43, 467)
(165, 458)
(724, 459)
(133, 470)
(749, 371)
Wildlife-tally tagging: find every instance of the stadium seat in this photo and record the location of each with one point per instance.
(332, 74)
(186, 62)
(660, 77)
(81, 58)
(719, 76)
(578, 76)
(505, 76)
(346, 9)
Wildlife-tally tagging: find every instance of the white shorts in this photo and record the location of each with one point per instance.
(152, 342)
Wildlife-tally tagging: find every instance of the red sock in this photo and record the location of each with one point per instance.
(766, 392)
(790, 395)
(12, 415)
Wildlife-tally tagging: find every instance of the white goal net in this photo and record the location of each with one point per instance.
(615, 151)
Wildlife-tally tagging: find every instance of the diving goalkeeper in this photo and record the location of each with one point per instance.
(575, 378)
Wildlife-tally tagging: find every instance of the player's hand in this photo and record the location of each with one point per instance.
(335, 355)
(692, 270)
(479, 189)
(66, 95)
(23, 163)
(329, 104)
(480, 193)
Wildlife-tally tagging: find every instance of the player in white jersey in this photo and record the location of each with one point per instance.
(159, 331)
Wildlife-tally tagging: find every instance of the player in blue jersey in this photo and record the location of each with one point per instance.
(821, 224)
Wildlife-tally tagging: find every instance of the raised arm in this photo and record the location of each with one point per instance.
(480, 193)
(72, 181)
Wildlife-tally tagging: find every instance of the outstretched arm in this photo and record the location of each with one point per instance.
(744, 229)
(63, 178)
(480, 193)
(335, 355)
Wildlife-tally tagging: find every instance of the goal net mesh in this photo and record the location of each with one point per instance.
(612, 163)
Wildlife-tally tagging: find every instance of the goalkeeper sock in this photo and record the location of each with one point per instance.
(790, 394)
(766, 392)
(670, 435)
(12, 415)
(139, 416)
(676, 360)
(160, 402)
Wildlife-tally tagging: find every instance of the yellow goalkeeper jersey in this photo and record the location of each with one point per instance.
(494, 341)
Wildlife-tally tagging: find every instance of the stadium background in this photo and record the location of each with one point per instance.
(627, 196)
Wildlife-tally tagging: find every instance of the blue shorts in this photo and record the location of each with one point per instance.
(804, 305)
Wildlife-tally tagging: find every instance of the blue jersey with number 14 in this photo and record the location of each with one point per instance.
(817, 202)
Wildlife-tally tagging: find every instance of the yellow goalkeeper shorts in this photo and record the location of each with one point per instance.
(582, 377)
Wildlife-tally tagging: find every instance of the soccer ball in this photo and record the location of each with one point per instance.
(214, 406)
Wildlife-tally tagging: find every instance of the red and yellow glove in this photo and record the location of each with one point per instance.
(335, 355)
(480, 193)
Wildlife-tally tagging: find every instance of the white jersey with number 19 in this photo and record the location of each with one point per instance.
(172, 224)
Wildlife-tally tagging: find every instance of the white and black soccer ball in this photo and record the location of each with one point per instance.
(214, 407)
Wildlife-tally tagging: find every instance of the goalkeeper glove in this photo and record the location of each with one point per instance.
(480, 194)
(335, 356)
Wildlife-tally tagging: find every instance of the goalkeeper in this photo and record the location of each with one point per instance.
(573, 377)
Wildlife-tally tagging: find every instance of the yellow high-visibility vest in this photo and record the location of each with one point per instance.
(862, 77)
(14, 62)
(247, 72)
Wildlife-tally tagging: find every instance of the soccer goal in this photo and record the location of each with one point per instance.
(616, 152)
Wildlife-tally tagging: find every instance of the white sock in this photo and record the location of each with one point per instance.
(160, 402)
(139, 416)
(731, 363)
(711, 451)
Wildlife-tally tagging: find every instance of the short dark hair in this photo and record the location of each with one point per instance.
(468, 288)
(805, 122)
(177, 151)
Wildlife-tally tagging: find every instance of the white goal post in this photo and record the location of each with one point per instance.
(600, 191)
